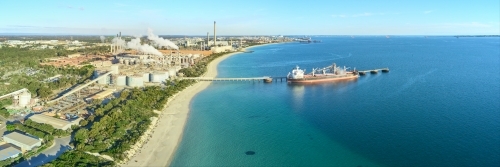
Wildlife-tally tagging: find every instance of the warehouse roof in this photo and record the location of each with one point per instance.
(103, 94)
(45, 119)
(7, 151)
(21, 138)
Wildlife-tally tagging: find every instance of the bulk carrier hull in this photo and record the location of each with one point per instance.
(320, 79)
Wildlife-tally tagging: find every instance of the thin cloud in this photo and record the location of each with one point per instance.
(427, 11)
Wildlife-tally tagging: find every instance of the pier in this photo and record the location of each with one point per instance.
(258, 79)
(374, 71)
(268, 79)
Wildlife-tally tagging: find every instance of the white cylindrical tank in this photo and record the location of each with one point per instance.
(135, 81)
(104, 80)
(158, 77)
(121, 80)
(122, 61)
(126, 62)
(145, 77)
(114, 69)
(24, 99)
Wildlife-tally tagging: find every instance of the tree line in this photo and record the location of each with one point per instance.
(118, 125)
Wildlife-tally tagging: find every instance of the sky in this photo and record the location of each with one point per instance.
(252, 17)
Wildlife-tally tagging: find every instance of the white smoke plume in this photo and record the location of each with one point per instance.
(119, 42)
(146, 49)
(102, 38)
(160, 41)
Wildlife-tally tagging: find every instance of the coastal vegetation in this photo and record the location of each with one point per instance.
(78, 158)
(21, 69)
(118, 124)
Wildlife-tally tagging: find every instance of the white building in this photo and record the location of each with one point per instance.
(8, 151)
(25, 142)
(54, 122)
(219, 49)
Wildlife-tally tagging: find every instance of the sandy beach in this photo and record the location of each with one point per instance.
(161, 144)
(158, 145)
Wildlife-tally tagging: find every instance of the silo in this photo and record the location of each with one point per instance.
(126, 62)
(135, 81)
(114, 69)
(24, 99)
(104, 80)
(121, 80)
(122, 61)
(157, 77)
(145, 77)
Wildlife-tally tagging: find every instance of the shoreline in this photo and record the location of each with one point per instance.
(160, 145)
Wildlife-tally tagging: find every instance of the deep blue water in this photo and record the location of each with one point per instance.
(438, 106)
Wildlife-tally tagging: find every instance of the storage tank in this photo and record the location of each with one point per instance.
(158, 77)
(121, 80)
(126, 62)
(145, 77)
(114, 69)
(135, 81)
(104, 80)
(24, 99)
(122, 61)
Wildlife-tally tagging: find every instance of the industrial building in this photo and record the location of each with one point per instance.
(54, 122)
(103, 94)
(23, 141)
(8, 151)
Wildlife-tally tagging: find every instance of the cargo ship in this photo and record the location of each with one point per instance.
(328, 74)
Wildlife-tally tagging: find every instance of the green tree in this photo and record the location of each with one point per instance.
(11, 127)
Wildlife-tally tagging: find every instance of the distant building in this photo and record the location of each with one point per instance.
(25, 142)
(219, 49)
(8, 151)
(54, 122)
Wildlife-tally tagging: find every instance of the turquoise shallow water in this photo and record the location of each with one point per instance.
(438, 106)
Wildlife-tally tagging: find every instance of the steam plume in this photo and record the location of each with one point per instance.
(102, 38)
(160, 41)
(146, 49)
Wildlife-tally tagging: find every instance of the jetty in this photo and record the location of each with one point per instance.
(374, 71)
(268, 79)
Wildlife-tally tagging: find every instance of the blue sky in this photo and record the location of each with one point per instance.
(252, 17)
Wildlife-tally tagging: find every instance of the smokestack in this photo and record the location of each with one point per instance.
(215, 37)
(120, 34)
(208, 38)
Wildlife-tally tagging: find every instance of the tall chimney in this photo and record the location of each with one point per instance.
(208, 38)
(215, 37)
(120, 34)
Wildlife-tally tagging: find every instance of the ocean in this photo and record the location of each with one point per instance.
(438, 106)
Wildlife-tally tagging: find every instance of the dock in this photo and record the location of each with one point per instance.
(374, 71)
(268, 79)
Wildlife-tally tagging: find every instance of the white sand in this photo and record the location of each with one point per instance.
(161, 143)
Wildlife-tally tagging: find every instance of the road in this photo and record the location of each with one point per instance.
(60, 146)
